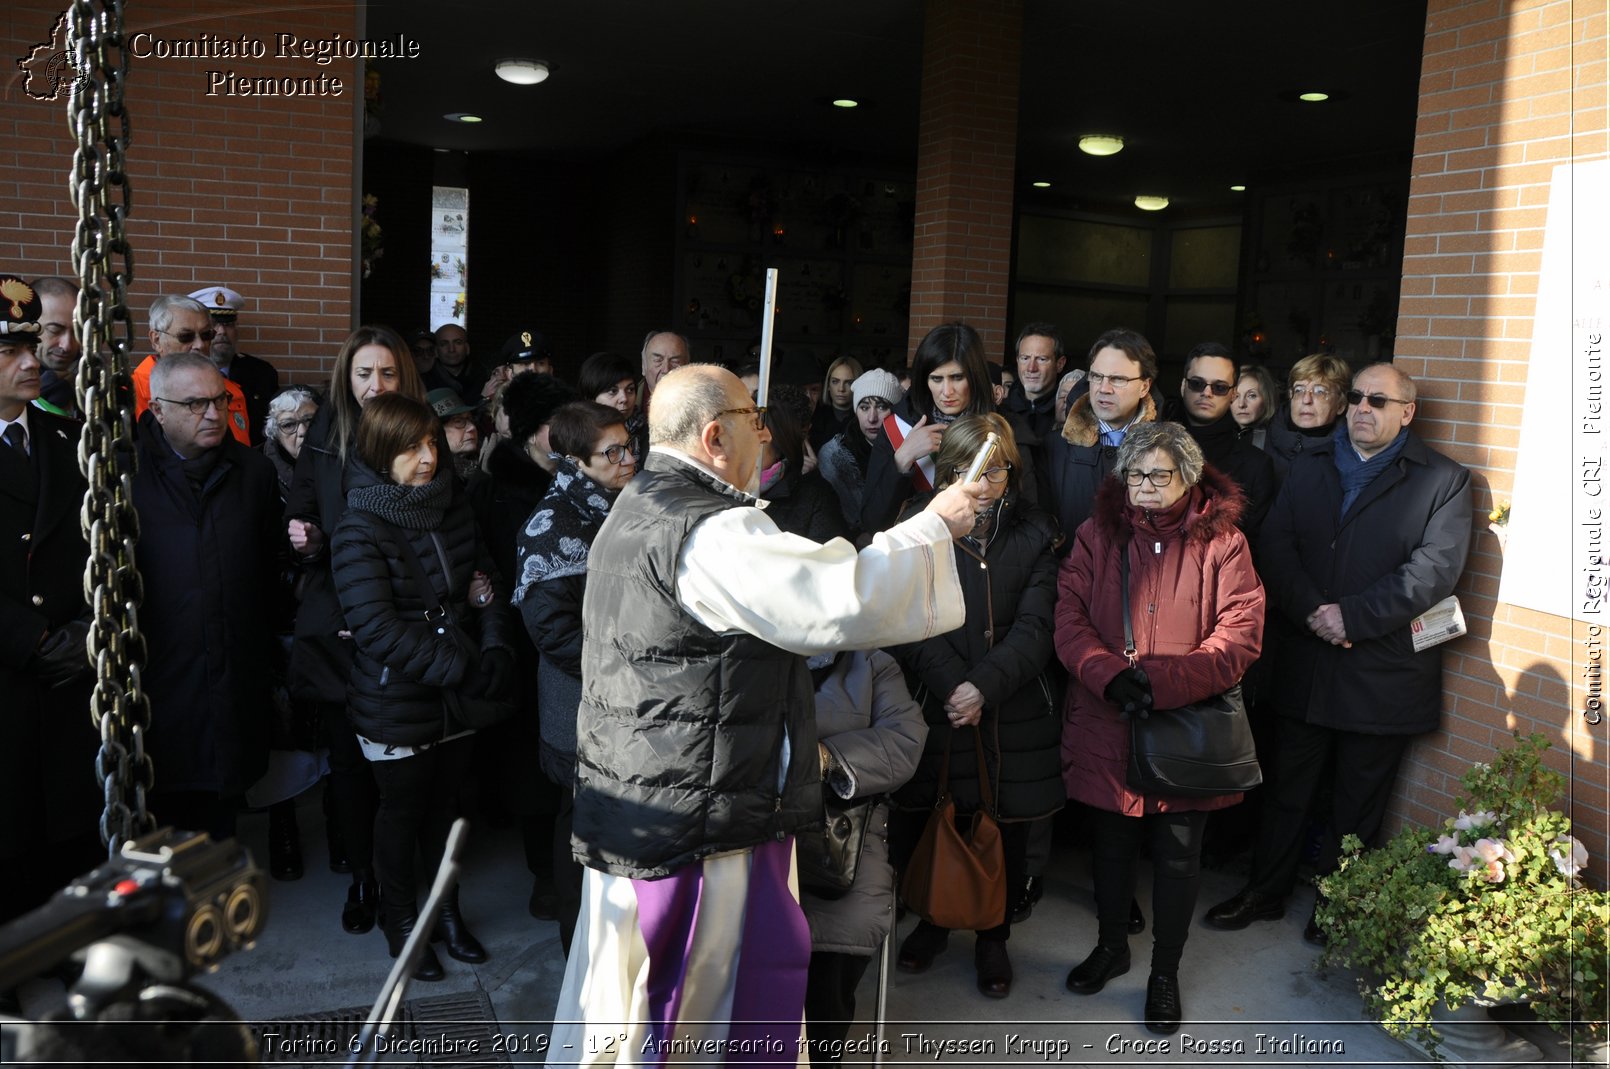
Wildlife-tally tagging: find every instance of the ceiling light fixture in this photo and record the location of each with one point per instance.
(1147, 203)
(1101, 144)
(522, 71)
(1041, 185)
(846, 102)
(461, 116)
(1313, 97)
(1238, 189)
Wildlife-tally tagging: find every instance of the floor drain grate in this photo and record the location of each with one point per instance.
(443, 1030)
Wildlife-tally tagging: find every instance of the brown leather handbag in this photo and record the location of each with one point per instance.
(957, 878)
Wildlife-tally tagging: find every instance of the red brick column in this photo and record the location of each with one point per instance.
(966, 160)
(1508, 91)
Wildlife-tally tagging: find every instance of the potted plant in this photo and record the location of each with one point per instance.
(1489, 908)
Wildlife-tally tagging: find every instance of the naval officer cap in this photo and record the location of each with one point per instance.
(221, 302)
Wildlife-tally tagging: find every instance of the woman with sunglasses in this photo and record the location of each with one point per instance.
(1197, 609)
(595, 462)
(989, 676)
(1319, 385)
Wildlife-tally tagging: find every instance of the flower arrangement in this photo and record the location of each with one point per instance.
(1489, 908)
(371, 238)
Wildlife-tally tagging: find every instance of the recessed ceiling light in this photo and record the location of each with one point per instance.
(1101, 144)
(461, 116)
(1313, 97)
(1041, 185)
(522, 71)
(1238, 189)
(846, 102)
(1147, 203)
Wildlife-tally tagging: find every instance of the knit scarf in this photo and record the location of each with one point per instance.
(413, 508)
(1356, 472)
(558, 535)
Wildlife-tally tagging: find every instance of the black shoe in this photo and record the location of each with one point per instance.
(994, 968)
(358, 915)
(450, 928)
(1247, 906)
(284, 842)
(397, 929)
(918, 951)
(1092, 974)
(1024, 907)
(1137, 919)
(543, 903)
(1313, 933)
(1163, 1003)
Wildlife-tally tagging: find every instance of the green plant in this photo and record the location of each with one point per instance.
(1490, 907)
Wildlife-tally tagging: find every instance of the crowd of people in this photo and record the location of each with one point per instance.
(666, 619)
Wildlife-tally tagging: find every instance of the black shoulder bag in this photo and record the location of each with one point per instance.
(1198, 750)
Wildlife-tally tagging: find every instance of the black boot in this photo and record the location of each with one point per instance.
(450, 927)
(398, 926)
(363, 898)
(284, 841)
(333, 839)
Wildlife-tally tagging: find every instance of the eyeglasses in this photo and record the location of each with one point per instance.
(1201, 385)
(198, 405)
(185, 337)
(994, 476)
(1117, 382)
(1157, 476)
(615, 453)
(758, 413)
(291, 426)
(1376, 400)
(1318, 393)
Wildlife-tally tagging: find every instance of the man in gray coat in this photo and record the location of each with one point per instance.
(1369, 531)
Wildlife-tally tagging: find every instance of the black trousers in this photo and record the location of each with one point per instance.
(830, 1002)
(1364, 769)
(352, 796)
(418, 801)
(1175, 842)
(905, 828)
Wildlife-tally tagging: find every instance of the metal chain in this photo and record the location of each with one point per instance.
(101, 255)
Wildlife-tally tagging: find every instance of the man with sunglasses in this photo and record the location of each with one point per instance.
(696, 749)
(210, 550)
(183, 325)
(1369, 530)
(1206, 394)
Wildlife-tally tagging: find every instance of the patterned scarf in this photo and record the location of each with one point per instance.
(557, 537)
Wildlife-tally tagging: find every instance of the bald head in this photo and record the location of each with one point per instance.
(689, 397)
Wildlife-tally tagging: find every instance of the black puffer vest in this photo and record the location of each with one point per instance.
(680, 729)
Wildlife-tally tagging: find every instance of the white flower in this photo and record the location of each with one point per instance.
(1445, 844)
(1462, 859)
(1491, 850)
(1471, 821)
(1570, 856)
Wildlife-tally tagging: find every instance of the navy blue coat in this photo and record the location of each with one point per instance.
(1399, 550)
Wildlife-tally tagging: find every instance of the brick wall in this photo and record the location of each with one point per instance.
(966, 162)
(1507, 92)
(253, 192)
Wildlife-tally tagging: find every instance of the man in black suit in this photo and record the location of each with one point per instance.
(49, 802)
(256, 378)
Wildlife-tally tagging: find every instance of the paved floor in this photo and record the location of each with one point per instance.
(1251, 997)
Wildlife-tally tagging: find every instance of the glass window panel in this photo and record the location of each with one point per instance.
(1074, 250)
(1188, 320)
(1205, 258)
(1082, 316)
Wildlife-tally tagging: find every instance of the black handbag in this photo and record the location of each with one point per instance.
(463, 710)
(830, 855)
(1196, 751)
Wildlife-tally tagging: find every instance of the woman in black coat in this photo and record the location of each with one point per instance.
(372, 362)
(990, 674)
(407, 520)
(595, 463)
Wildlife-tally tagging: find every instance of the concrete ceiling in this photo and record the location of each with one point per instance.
(1195, 88)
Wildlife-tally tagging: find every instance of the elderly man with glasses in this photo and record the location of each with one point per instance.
(183, 325)
(1370, 530)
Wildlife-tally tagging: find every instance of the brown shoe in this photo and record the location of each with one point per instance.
(994, 968)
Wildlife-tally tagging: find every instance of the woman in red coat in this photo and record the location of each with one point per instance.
(1197, 609)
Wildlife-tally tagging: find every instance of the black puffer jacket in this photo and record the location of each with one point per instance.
(1004, 649)
(404, 661)
(1285, 442)
(804, 505)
